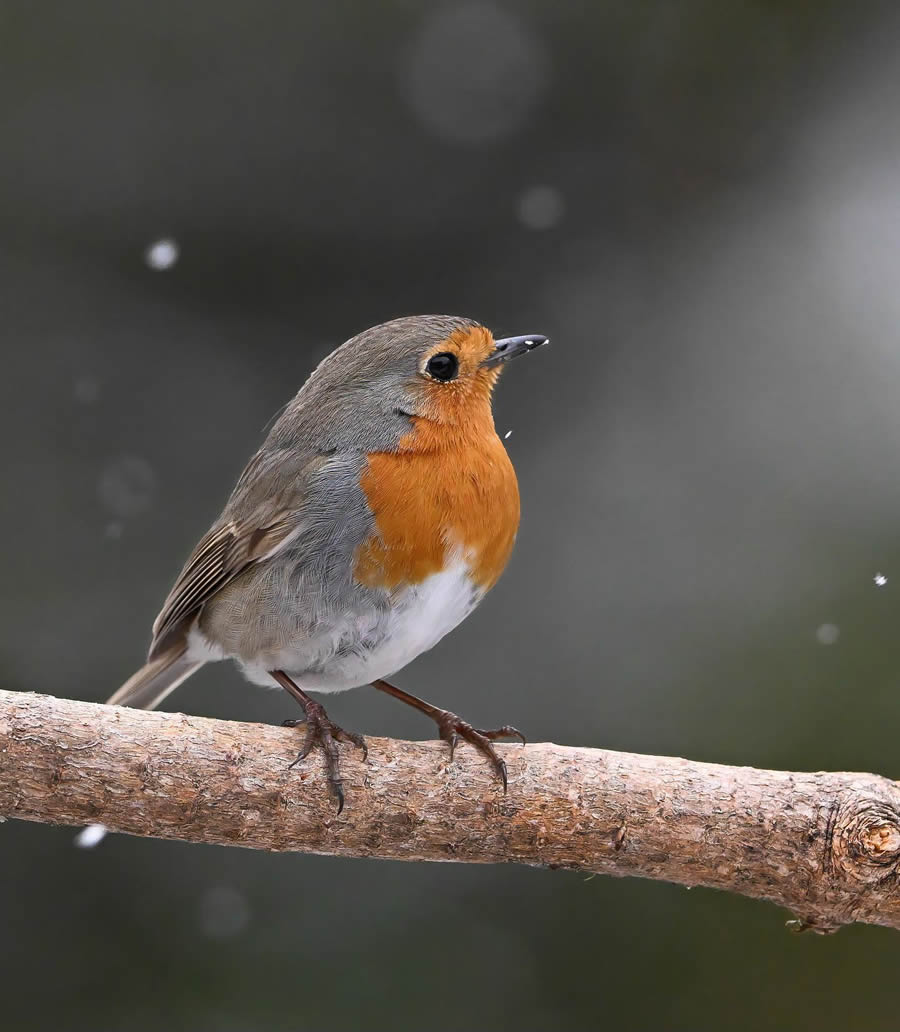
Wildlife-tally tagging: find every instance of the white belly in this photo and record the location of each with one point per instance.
(363, 650)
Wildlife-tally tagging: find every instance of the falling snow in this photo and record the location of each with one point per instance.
(90, 836)
(162, 254)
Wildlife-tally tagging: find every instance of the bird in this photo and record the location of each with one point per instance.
(379, 511)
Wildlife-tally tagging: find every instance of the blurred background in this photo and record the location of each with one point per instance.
(700, 203)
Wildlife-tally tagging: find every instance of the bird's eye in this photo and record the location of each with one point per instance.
(442, 367)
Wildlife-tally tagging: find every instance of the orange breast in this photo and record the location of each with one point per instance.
(444, 490)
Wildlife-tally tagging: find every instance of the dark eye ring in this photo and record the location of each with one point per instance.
(442, 367)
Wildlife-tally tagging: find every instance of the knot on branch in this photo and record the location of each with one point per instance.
(865, 840)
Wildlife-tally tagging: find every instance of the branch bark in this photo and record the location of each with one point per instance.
(827, 846)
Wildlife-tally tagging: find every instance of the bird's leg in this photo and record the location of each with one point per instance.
(452, 728)
(320, 729)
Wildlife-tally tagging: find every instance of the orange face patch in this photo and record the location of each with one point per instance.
(466, 399)
(449, 487)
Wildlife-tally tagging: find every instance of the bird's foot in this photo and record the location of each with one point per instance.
(452, 729)
(324, 732)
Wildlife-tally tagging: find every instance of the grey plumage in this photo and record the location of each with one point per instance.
(298, 499)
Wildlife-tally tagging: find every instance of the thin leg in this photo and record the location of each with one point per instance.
(320, 729)
(452, 728)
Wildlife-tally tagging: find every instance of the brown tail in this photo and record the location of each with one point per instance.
(154, 681)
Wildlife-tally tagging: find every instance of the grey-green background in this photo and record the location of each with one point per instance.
(700, 203)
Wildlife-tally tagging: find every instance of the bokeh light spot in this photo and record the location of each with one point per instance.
(224, 912)
(475, 74)
(540, 207)
(127, 486)
(86, 389)
(828, 633)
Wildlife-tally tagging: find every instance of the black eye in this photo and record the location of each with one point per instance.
(443, 366)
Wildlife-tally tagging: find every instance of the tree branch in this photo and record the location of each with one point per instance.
(825, 845)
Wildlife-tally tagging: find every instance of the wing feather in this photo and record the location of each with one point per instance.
(220, 556)
(270, 517)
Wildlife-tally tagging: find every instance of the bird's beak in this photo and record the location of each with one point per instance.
(511, 347)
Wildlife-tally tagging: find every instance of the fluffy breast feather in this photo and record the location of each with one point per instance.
(435, 498)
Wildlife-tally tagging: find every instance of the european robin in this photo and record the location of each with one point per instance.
(379, 511)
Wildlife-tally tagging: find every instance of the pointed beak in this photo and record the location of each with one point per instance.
(511, 347)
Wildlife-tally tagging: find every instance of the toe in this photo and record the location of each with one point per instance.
(483, 744)
(312, 736)
(452, 739)
(507, 731)
(449, 728)
(322, 732)
(352, 738)
(500, 767)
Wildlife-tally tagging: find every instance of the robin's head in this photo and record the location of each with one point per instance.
(439, 368)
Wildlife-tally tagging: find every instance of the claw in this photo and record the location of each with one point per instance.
(319, 729)
(452, 729)
(352, 738)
